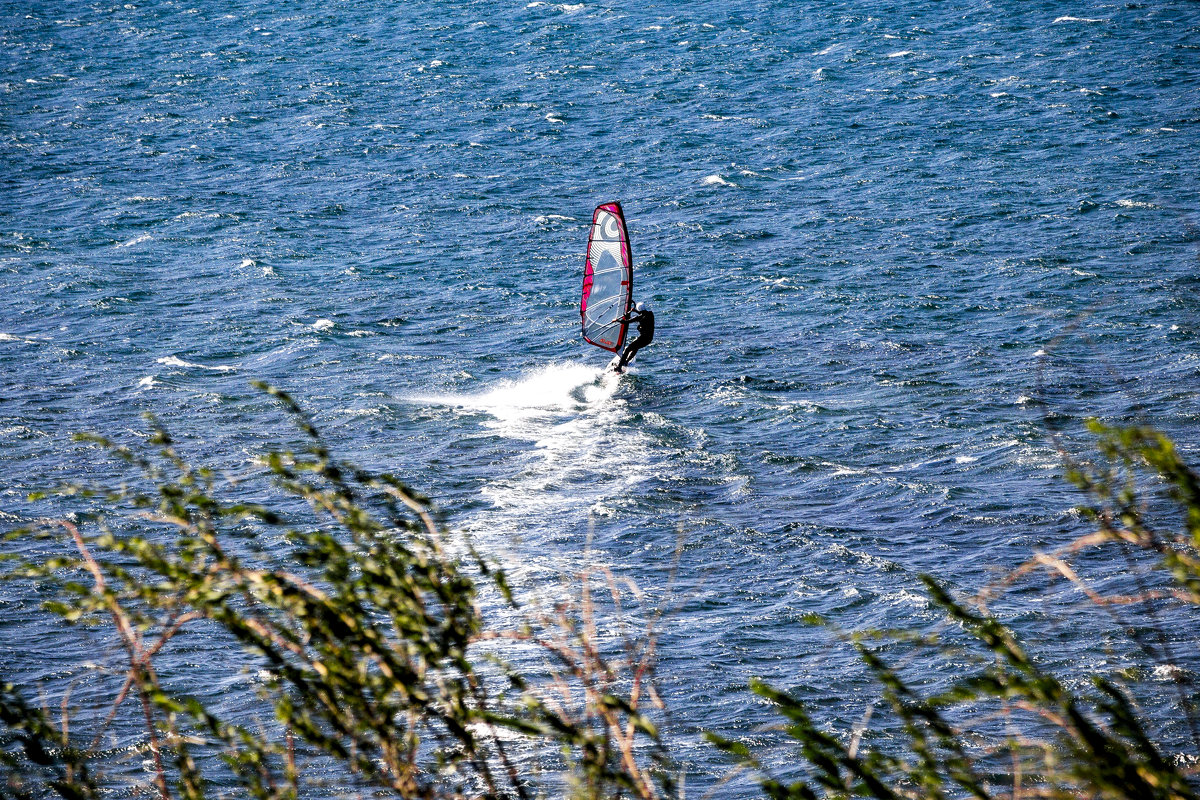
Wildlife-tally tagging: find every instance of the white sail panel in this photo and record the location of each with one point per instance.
(607, 279)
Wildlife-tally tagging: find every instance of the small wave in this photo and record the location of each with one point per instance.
(1167, 672)
(842, 469)
(135, 240)
(374, 411)
(20, 432)
(138, 198)
(900, 53)
(548, 218)
(1060, 20)
(146, 382)
(323, 325)
(965, 459)
(555, 118)
(715, 180)
(173, 361)
(1135, 204)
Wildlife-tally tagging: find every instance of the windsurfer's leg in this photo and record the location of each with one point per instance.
(628, 354)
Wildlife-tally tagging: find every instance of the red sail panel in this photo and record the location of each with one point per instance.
(607, 279)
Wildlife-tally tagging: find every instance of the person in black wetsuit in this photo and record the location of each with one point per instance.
(643, 317)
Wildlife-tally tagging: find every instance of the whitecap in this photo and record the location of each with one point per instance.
(146, 382)
(323, 325)
(715, 180)
(552, 117)
(1039, 354)
(1135, 204)
(1167, 672)
(899, 53)
(135, 240)
(23, 431)
(175, 361)
(246, 262)
(360, 412)
(1077, 19)
(965, 459)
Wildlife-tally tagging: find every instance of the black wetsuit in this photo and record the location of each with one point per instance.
(645, 335)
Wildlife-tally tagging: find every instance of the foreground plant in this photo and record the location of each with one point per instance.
(1007, 726)
(362, 627)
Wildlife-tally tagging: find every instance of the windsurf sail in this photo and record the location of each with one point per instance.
(607, 279)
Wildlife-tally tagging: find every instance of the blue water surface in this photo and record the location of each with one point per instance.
(892, 248)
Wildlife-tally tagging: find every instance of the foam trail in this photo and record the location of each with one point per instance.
(554, 389)
(583, 461)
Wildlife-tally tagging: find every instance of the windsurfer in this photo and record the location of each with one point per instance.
(643, 317)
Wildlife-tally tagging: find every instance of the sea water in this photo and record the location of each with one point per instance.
(895, 249)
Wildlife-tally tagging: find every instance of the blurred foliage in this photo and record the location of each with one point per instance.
(361, 621)
(1006, 725)
(379, 673)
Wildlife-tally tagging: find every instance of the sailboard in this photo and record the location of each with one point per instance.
(607, 279)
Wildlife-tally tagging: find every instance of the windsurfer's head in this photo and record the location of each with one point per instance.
(640, 307)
